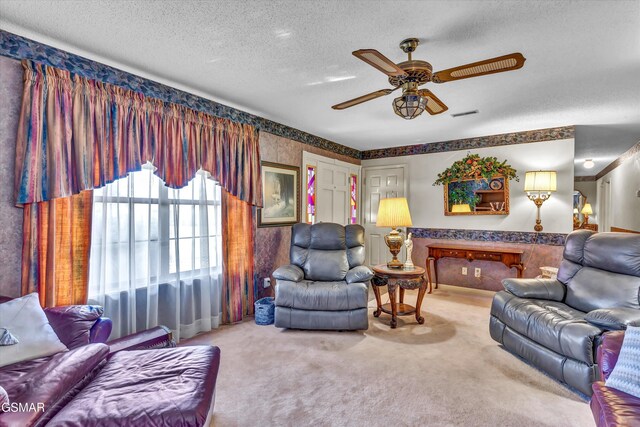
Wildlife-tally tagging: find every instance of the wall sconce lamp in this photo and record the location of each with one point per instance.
(539, 185)
(586, 211)
(394, 213)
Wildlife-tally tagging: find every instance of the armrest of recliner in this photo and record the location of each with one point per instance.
(289, 272)
(549, 289)
(359, 274)
(614, 319)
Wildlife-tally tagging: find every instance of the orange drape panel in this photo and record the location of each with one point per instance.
(55, 249)
(238, 281)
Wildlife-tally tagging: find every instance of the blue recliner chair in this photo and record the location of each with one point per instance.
(326, 284)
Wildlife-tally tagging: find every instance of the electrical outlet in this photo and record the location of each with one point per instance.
(267, 282)
(477, 272)
(464, 271)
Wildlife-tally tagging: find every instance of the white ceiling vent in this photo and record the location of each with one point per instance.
(466, 113)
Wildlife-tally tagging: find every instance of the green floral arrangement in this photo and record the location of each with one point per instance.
(475, 167)
(461, 196)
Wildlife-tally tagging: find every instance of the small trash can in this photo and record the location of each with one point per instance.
(265, 309)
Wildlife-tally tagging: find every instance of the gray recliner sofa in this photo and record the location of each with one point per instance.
(556, 324)
(326, 284)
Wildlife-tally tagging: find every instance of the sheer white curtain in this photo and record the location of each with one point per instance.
(156, 254)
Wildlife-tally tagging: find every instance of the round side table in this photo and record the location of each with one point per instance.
(401, 278)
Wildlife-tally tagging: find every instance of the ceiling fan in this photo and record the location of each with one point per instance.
(411, 74)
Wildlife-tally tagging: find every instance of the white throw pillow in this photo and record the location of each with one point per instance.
(626, 374)
(26, 321)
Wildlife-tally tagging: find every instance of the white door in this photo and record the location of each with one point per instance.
(380, 183)
(605, 213)
(332, 193)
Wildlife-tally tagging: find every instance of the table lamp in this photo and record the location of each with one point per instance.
(394, 213)
(539, 185)
(586, 211)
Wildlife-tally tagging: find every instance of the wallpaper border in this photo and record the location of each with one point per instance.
(18, 47)
(523, 137)
(552, 239)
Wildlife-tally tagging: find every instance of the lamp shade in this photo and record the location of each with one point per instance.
(393, 212)
(540, 181)
(460, 208)
(586, 210)
(575, 211)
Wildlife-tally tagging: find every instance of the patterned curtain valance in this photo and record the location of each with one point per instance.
(76, 134)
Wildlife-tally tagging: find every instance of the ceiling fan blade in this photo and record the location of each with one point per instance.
(363, 98)
(510, 62)
(379, 61)
(434, 105)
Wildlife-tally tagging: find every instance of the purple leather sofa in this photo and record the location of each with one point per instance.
(612, 407)
(137, 380)
(77, 325)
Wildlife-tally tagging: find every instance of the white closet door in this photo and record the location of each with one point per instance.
(379, 183)
(333, 193)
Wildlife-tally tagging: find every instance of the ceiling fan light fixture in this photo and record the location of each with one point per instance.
(409, 106)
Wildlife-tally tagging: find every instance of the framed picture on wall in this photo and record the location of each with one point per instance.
(280, 194)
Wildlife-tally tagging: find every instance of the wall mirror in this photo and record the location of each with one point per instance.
(477, 197)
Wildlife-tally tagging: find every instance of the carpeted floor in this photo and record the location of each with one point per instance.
(447, 372)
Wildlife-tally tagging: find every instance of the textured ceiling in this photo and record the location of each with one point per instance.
(289, 61)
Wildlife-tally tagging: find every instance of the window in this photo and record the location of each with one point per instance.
(353, 204)
(156, 254)
(311, 194)
(144, 232)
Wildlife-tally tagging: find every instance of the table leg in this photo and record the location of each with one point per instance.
(421, 292)
(435, 270)
(428, 265)
(376, 292)
(394, 306)
(519, 269)
(401, 295)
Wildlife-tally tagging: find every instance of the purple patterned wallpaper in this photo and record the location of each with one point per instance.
(11, 230)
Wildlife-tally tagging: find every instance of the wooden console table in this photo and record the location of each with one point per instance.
(512, 258)
(398, 278)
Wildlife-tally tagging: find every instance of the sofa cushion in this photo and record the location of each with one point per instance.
(162, 387)
(50, 382)
(590, 289)
(549, 323)
(354, 234)
(626, 374)
(26, 321)
(574, 245)
(328, 237)
(326, 265)
(328, 296)
(614, 252)
(612, 407)
(73, 323)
